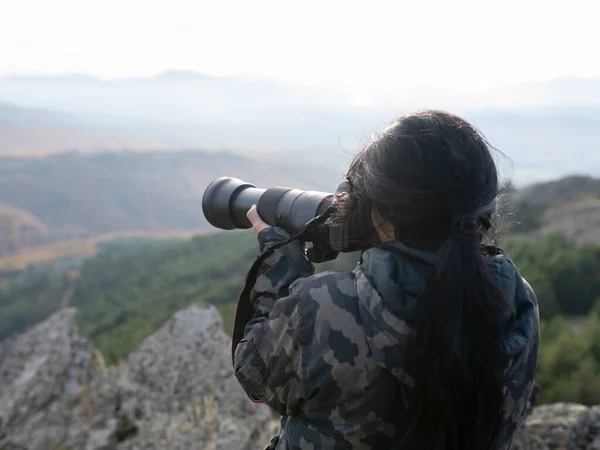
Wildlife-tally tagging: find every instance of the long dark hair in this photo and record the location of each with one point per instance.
(432, 176)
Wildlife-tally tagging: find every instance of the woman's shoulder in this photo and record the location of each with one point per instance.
(500, 262)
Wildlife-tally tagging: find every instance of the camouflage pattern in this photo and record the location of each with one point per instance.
(328, 351)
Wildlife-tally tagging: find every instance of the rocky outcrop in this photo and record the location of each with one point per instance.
(560, 426)
(177, 391)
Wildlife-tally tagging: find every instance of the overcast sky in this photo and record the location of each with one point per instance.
(356, 47)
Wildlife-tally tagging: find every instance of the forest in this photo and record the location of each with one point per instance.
(130, 288)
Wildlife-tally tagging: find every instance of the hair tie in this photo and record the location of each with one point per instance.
(466, 224)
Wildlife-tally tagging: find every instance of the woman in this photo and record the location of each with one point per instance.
(431, 342)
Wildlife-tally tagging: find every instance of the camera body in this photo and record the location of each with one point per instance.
(227, 200)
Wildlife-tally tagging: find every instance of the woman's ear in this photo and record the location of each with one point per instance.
(385, 230)
(375, 218)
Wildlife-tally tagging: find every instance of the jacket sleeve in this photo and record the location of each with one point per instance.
(267, 360)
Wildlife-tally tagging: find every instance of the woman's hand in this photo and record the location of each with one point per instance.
(257, 223)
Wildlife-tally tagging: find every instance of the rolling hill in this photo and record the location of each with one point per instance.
(77, 196)
(569, 206)
(19, 229)
(64, 204)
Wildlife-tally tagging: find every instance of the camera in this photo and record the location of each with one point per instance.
(227, 200)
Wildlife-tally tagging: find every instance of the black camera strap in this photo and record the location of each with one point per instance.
(244, 310)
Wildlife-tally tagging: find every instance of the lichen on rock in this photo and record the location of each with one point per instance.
(177, 391)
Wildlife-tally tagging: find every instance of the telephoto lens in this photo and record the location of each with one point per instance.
(227, 200)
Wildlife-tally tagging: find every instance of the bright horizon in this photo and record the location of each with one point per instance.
(358, 49)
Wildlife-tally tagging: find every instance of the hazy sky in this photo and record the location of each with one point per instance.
(356, 47)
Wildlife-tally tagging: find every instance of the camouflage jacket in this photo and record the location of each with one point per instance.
(326, 351)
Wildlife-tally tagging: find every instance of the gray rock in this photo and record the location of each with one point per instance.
(548, 427)
(177, 391)
(47, 363)
(585, 433)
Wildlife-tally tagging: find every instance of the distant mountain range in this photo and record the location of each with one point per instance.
(31, 131)
(548, 129)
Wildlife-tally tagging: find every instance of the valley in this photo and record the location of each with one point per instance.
(109, 221)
